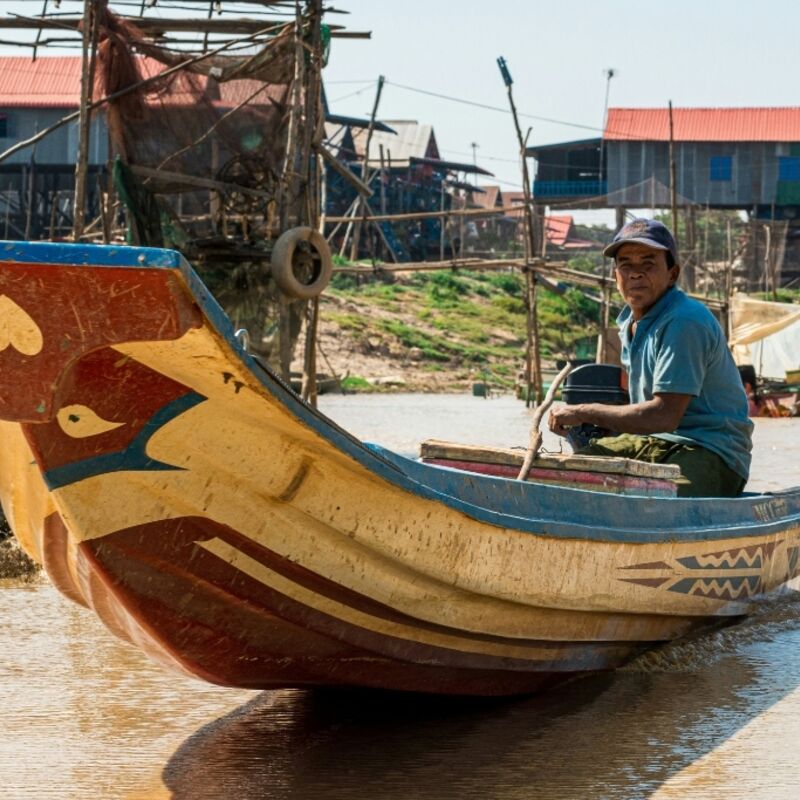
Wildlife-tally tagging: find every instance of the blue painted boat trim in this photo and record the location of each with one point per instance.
(134, 457)
(525, 507)
(89, 255)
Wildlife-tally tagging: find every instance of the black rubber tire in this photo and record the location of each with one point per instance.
(301, 249)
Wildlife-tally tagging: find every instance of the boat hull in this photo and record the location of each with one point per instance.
(208, 516)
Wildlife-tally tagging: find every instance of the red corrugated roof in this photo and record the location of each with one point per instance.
(45, 83)
(55, 82)
(704, 124)
(557, 229)
(489, 198)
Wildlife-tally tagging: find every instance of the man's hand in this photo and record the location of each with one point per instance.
(662, 414)
(563, 418)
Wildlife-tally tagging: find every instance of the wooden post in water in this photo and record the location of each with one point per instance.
(673, 182)
(308, 390)
(290, 178)
(88, 54)
(533, 364)
(315, 186)
(7, 210)
(365, 176)
(690, 252)
(383, 181)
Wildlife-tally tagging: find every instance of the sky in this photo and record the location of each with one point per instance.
(694, 52)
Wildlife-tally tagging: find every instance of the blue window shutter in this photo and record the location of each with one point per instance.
(721, 168)
(788, 168)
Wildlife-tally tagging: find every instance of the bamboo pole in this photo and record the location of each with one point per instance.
(323, 192)
(190, 180)
(154, 26)
(84, 116)
(337, 166)
(533, 366)
(323, 221)
(442, 222)
(365, 175)
(289, 172)
(312, 135)
(53, 209)
(673, 182)
(383, 181)
(7, 210)
(416, 215)
(308, 389)
(31, 177)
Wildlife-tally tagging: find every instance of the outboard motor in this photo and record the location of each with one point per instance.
(593, 383)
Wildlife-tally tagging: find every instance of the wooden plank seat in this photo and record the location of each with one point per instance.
(596, 473)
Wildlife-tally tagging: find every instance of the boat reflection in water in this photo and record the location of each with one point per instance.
(709, 718)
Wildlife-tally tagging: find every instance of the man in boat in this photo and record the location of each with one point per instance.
(687, 403)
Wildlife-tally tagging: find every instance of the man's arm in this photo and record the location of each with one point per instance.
(662, 414)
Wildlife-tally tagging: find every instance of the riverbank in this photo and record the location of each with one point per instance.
(443, 331)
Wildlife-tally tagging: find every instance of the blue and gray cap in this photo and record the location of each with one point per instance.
(648, 232)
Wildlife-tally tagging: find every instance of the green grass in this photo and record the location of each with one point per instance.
(474, 320)
(348, 321)
(355, 383)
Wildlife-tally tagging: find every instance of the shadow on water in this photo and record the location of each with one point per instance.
(613, 736)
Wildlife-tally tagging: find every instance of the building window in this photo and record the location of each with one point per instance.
(721, 168)
(4, 126)
(788, 168)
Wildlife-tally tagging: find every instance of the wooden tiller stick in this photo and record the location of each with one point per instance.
(536, 435)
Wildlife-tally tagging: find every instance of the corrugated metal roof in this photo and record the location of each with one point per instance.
(489, 198)
(51, 82)
(55, 82)
(704, 124)
(557, 229)
(409, 140)
(251, 92)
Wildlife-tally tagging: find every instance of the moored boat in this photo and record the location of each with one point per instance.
(205, 513)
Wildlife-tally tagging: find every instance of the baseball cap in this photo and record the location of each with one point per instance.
(648, 232)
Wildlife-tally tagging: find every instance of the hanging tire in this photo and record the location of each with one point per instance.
(301, 263)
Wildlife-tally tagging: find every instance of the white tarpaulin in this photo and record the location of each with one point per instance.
(766, 335)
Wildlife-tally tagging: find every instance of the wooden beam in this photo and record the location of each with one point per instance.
(149, 25)
(468, 212)
(190, 180)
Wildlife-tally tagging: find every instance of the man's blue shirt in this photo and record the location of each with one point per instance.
(680, 348)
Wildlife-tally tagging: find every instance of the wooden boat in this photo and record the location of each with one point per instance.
(233, 533)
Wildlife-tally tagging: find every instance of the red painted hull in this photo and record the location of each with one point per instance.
(193, 612)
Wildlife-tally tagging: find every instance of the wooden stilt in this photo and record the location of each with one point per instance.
(88, 53)
(533, 359)
(8, 211)
(309, 386)
(365, 175)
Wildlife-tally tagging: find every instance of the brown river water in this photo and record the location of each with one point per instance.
(86, 717)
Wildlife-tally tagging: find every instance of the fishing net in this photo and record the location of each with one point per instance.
(202, 161)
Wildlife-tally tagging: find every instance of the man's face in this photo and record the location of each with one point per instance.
(642, 276)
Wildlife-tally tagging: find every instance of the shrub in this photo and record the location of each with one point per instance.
(507, 282)
(355, 383)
